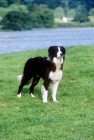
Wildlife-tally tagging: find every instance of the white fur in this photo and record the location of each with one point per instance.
(54, 76)
(54, 87)
(19, 78)
(57, 75)
(19, 95)
(59, 52)
(44, 94)
(58, 62)
(32, 95)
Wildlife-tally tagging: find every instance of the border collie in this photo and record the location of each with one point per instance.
(49, 69)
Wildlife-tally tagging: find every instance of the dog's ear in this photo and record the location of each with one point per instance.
(50, 50)
(63, 50)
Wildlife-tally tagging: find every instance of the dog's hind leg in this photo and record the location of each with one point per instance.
(34, 83)
(19, 90)
(24, 81)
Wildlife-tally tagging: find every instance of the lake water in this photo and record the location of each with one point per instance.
(15, 41)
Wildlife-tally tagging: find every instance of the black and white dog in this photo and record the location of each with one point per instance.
(49, 69)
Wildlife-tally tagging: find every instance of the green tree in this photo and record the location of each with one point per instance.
(17, 1)
(11, 26)
(41, 15)
(10, 2)
(72, 4)
(42, 18)
(71, 13)
(59, 12)
(26, 1)
(89, 4)
(51, 3)
(3, 3)
(32, 7)
(91, 12)
(13, 2)
(86, 4)
(20, 8)
(80, 17)
(47, 17)
(21, 19)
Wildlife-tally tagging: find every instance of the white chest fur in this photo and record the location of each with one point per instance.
(57, 75)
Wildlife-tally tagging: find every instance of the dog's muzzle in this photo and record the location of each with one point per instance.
(61, 54)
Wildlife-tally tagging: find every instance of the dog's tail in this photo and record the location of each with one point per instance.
(19, 78)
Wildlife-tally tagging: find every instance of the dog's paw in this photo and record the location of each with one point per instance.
(19, 95)
(32, 95)
(55, 101)
(44, 101)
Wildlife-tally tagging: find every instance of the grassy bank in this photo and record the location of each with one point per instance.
(29, 119)
(59, 23)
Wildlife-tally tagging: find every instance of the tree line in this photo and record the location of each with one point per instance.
(28, 14)
(86, 4)
(31, 16)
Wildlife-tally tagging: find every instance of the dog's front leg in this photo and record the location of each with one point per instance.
(54, 87)
(44, 91)
(44, 94)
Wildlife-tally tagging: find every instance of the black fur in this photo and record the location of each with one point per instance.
(39, 67)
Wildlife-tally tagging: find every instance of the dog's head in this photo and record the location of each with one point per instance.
(56, 51)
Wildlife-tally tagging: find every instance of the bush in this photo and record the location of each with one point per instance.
(73, 24)
(59, 13)
(42, 18)
(36, 16)
(21, 19)
(91, 12)
(11, 26)
(47, 17)
(20, 8)
(80, 17)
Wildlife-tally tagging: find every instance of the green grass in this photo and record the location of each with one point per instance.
(91, 18)
(57, 20)
(30, 119)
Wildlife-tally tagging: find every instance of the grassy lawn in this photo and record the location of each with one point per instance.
(57, 20)
(30, 119)
(91, 18)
